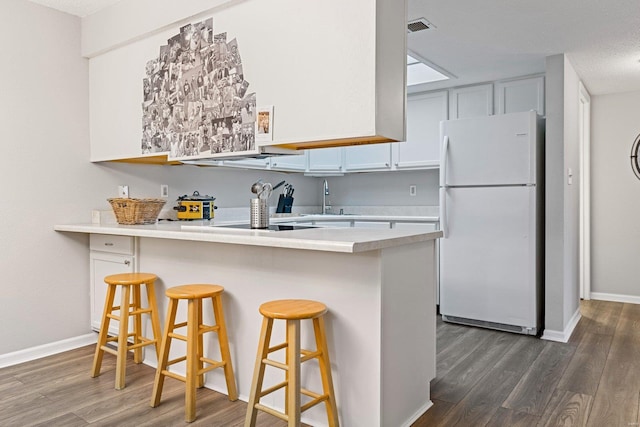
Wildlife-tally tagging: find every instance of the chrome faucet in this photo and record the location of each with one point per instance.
(326, 208)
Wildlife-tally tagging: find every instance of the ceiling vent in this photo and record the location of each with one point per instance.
(419, 25)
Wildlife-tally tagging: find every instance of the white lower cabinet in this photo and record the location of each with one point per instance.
(108, 255)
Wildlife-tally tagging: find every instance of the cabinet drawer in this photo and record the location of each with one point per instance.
(113, 244)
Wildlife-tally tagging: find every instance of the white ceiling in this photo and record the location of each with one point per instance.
(77, 7)
(495, 39)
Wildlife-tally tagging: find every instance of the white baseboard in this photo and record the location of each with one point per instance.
(418, 414)
(563, 336)
(631, 299)
(33, 353)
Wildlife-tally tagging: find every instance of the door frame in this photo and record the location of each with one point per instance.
(584, 101)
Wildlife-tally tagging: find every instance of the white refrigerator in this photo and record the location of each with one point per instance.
(492, 217)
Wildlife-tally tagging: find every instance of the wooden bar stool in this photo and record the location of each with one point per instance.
(195, 359)
(292, 311)
(130, 305)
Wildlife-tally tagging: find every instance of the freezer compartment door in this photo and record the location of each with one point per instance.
(496, 150)
(488, 258)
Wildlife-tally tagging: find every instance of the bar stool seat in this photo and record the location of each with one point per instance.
(130, 305)
(292, 310)
(194, 358)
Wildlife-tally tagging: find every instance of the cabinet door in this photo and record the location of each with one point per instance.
(247, 163)
(104, 264)
(422, 147)
(367, 157)
(520, 95)
(296, 162)
(472, 101)
(325, 160)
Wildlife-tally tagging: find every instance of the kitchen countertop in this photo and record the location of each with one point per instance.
(354, 217)
(345, 240)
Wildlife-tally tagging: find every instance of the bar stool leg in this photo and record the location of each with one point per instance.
(192, 362)
(104, 330)
(121, 359)
(293, 362)
(137, 325)
(325, 371)
(258, 372)
(225, 353)
(155, 320)
(164, 353)
(200, 353)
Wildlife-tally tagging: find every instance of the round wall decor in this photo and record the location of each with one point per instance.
(634, 156)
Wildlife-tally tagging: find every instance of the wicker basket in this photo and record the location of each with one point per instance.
(136, 211)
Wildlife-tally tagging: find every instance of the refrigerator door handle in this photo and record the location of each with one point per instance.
(443, 161)
(443, 212)
(443, 186)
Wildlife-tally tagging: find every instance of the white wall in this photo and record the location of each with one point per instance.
(561, 201)
(615, 196)
(385, 189)
(45, 176)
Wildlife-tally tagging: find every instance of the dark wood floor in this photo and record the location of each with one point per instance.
(488, 378)
(485, 378)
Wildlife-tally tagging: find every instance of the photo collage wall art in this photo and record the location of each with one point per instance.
(195, 97)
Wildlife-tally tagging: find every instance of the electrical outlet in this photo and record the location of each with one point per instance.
(413, 190)
(164, 190)
(123, 191)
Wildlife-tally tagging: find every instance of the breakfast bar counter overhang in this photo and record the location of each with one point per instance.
(379, 287)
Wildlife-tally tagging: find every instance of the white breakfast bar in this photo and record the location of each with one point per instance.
(379, 286)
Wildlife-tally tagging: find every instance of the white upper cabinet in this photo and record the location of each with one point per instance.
(294, 163)
(422, 148)
(520, 95)
(367, 157)
(471, 101)
(326, 160)
(247, 163)
(336, 83)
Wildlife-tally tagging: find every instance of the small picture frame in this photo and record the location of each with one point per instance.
(264, 123)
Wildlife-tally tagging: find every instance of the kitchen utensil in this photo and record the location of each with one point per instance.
(278, 185)
(256, 187)
(265, 191)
